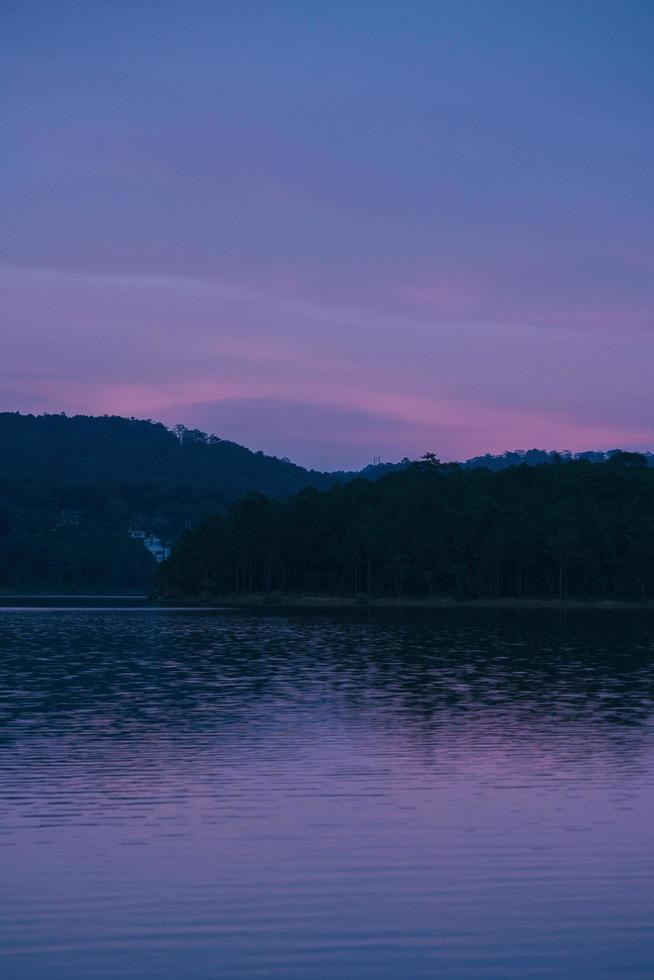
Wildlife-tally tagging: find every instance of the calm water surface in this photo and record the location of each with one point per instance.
(222, 795)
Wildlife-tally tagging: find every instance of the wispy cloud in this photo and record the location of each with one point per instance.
(178, 348)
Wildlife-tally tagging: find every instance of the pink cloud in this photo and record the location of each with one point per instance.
(171, 348)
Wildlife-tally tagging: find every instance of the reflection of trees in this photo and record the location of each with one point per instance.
(117, 675)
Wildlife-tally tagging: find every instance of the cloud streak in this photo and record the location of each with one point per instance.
(181, 349)
(431, 223)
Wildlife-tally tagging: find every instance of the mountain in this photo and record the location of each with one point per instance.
(79, 495)
(539, 457)
(82, 449)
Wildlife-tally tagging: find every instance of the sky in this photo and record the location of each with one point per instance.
(332, 230)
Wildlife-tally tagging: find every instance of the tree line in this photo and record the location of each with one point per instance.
(71, 488)
(571, 528)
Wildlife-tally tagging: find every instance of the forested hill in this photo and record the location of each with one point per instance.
(504, 461)
(74, 490)
(84, 449)
(537, 457)
(568, 529)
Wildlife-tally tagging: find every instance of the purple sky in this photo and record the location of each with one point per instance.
(333, 231)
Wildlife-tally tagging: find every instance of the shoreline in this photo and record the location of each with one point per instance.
(281, 601)
(258, 600)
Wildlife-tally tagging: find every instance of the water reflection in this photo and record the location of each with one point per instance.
(158, 671)
(222, 794)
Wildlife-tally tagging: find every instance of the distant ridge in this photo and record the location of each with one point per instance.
(540, 457)
(80, 496)
(504, 461)
(82, 448)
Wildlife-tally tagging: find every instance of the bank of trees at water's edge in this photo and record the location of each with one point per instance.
(568, 529)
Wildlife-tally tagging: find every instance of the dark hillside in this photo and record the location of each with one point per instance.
(80, 495)
(86, 449)
(72, 489)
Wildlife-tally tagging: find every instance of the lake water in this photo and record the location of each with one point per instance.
(196, 795)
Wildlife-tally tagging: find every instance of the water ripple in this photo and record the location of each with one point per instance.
(220, 794)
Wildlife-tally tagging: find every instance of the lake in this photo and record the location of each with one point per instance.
(218, 794)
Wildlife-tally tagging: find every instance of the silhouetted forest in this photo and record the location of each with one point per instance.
(71, 488)
(84, 449)
(573, 528)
